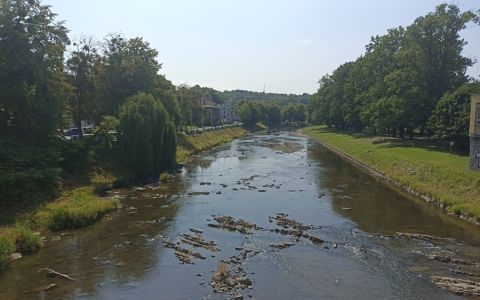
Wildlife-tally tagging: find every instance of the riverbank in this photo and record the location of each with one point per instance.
(82, 206)
(415, 166)
(189, 145)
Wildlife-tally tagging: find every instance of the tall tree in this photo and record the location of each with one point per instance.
(130, 67)
(84, 74)
(32, 82)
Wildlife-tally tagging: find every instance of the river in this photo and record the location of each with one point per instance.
(268, 179)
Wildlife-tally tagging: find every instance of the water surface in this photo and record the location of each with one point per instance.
(124, 257)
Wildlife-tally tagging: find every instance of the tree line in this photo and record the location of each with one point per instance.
(409, 80)
(271, 113)
(48, 81)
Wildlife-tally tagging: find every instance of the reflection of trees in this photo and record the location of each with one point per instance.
(112, 250)
(375, 206)
(204, 163)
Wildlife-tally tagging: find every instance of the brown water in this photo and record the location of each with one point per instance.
(122, 257)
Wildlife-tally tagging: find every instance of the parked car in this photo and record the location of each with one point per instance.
(73, 133)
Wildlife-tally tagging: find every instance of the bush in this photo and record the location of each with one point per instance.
(27, 242)
(79, 209)
(164, 177)
(6, 248)
(28, 171)
(74, 159)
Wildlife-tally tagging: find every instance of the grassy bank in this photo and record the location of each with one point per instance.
(17, 239)
(191, 144)
(420, 165)
(75, 208)
(82, 206)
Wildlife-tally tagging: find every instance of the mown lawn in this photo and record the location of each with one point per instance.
(429, 169)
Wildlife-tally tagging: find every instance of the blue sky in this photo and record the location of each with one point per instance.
(243, 44)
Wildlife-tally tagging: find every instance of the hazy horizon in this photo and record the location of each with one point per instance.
(227, 45)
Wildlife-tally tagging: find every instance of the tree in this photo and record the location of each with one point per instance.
(397, 83)
(32, 91)
(130, 68)
(83, 72)
(451, 117)
(246, 111)
(274, 115)
(147, 136)
(32, 82)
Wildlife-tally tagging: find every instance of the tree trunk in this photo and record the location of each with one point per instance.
(79, 124)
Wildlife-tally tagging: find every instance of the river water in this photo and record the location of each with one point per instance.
(126, 255)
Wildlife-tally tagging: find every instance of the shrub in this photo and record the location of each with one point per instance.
(27, 241)
(457, 211)
(74, 158)
(164, 177)
(27, 170)
(79, 209)
(6, 248)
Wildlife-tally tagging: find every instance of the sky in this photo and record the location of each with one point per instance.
(284, 45)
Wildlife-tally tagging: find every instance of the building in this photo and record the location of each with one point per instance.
(228, 114)
(474, 132)
(207, 113)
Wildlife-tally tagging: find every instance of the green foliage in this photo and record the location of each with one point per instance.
(27, 171)
(419, 164)
(396, 84)
(293, 113)
(32, 82)
(191, 144)
(84, 67)
(27, 242)
(78, 208)
(105, 133)
(147, 136)
(6, 248)
(237, 96)
(32, 92)
(164, 177)
(17, 239)
(169, 147)
(451, 117)
(74, 163)
(251, 112)
(274, 115)
(130, 67)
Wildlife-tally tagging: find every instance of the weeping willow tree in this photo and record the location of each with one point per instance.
(147, 136)
(169, 147)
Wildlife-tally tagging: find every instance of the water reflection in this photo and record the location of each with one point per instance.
(123, 257)
(372, 205)
(120, 250)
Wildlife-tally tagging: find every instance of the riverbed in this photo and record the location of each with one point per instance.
(271, 216)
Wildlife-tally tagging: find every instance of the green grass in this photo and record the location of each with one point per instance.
(76, 208)
(81, 206)
(422, 165)
(191, 144)
(164, 177)
(18, 238)
(6, 248)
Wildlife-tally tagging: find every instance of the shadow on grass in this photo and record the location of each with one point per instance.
(393, 142)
